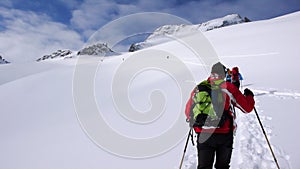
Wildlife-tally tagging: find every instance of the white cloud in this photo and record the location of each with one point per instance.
(131, 26)
(28, 36)
(92, 14)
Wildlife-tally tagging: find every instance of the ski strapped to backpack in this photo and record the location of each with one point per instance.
(208, 102)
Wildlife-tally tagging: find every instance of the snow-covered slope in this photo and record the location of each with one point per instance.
(39, 126)
(169, 32)
(267, 54)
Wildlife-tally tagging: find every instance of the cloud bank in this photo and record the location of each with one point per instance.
(30, 29)
(28, 36)
(92, 14)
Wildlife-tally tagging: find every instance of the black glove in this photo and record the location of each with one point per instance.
(248, 92)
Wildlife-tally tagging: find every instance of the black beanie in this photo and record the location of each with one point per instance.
(219, 69)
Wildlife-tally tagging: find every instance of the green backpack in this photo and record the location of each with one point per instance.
(208, 102)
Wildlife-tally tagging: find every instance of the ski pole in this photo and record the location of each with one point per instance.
(266, 138)
(187, 140)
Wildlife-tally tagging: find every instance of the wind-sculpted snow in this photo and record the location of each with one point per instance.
(277, 93)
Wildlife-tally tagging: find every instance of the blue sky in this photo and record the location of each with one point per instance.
(53, 24)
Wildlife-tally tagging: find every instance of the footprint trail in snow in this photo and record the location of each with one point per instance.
(251, 150)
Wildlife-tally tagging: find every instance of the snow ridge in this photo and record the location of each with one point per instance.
(57, 54)
(99, 49)
(277, 93)
(160, 35)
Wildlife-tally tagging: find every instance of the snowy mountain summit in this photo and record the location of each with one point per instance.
(166, 32)
(56, 54)
(222, 22)
(3, 61)
(99, 49)
(160, 35)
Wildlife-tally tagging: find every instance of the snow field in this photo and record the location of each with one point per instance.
(39, 127)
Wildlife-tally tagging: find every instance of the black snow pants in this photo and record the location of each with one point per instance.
(211, 145)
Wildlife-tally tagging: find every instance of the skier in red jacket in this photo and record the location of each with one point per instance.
(219, 140)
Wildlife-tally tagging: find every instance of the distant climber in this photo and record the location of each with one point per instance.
(236, 77)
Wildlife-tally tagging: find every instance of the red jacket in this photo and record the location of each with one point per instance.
(233, 95)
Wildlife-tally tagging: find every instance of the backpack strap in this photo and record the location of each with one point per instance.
(231, 107)
(204, 86)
